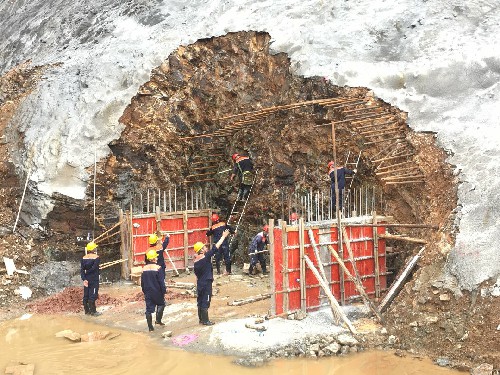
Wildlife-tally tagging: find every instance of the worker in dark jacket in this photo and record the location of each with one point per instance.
(256, 250)
(89, 272)
(153, 287)
(216, 230)
(243, 168)
(160, 249)
(341, 173)
(205, 276)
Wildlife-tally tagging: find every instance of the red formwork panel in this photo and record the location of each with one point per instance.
(197, 227)
(175, 226)
(335, 268)
(142, 228)
(312, 283)
(361, 241)
(293, 265)
(277, 271)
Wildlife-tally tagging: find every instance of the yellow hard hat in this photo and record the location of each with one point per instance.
(151, 254)
(153, 239)
(198, 246)
(91, 246)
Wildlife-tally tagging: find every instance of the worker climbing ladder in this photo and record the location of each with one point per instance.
(238, 210)
(352, 165)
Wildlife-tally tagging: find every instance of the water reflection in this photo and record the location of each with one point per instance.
(33, 341)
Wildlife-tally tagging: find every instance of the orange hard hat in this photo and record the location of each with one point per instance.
(215, 217)
(265, 228)
(330, 163)
(235, 155)
(294, 216)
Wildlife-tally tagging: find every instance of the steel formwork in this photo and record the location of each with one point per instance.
(296, 287)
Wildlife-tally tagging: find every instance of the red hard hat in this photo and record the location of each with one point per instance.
(235, 156)
(330, 164)
(265, 228)
(215, 217)
(294, 216)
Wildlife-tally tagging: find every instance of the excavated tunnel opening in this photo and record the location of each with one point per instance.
(231, 94)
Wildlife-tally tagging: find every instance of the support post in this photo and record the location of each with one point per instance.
(124, 251)
(186, 245)
(320, 266)
(337, 213)
(375, 254)
(286, 286)
(302, 267)
(357, 283)
(331, 297)
(271, 264)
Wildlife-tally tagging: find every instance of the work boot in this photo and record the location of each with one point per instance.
(205, 321)
(159, 315)
(200, 315)
(228, 268)
(86, 307)
(149, 319)
(93, 310)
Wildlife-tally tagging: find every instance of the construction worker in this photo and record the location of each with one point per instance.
(341, 173)
(153, 287)
(256, 250)
(154, 245)
(243, 168)
(89, 272)
(205, 276)
(217, 228)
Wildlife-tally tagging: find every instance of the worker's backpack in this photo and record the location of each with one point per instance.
(247, 178)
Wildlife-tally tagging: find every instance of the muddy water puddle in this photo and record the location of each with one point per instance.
(33, 341)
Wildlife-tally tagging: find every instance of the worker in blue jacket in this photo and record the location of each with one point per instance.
(216, 230)
(256, 250)
(205, 276)
(341, 173)
(89, 272)
(160, 249)
(153, 287)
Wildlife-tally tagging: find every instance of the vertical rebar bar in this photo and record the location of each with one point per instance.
(175, 198)
(192, 198)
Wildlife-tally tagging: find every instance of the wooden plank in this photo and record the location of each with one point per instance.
(330, 296)
(375, 255)
(322, 270)
(244, 301)
(186, 239)
(357, 283)
(286, 284)
(272, 266)
(302, 267)
(402, 238)
(398, 284)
